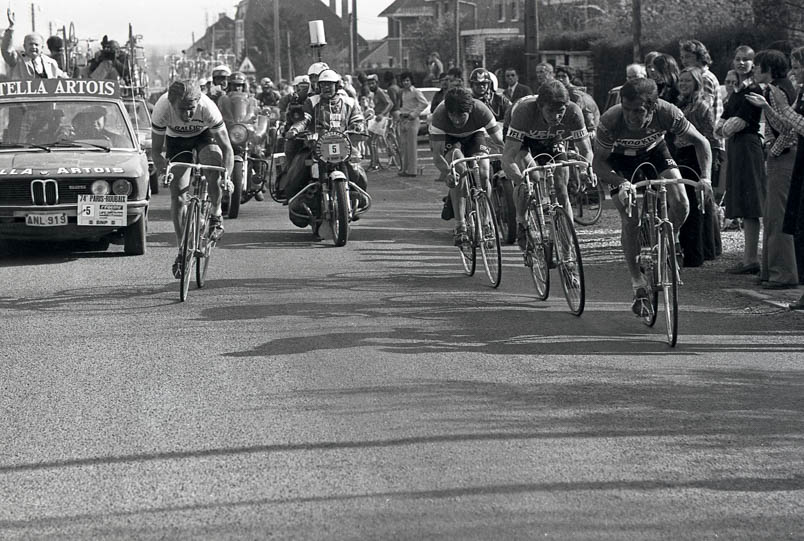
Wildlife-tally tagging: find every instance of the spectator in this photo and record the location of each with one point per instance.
(412, 103)
(56, 47)
(513, 88)
(730, 83)
(349, 87)
(699, 237)
(590, 110)
(778, 262)
(693, 53)
(453, 78)
(544, 73)
(435, 67)
(635, 71)
(30, 63)
(665, 72)
(106, 65)
(438, 97)
(394, 92)
(382, 109)
(745, 167)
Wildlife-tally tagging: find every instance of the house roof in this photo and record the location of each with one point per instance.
(408, 8)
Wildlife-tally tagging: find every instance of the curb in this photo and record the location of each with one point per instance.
(762, 297)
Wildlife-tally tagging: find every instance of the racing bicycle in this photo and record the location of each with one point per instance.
(481, 222)
(657, 249)
(196, 244)
(586, 195)
(551, 238)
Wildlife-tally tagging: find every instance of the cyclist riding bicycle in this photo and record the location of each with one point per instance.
(458, 129)
(629, 134)
(541, 124)
(184, 120)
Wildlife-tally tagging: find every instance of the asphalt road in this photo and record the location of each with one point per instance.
(375, 392)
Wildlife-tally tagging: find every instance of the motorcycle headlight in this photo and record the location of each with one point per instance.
(121, 187)
(100, 187)
(238, 134)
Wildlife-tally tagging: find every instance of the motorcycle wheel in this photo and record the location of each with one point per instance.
(234, 197)
(339, 218)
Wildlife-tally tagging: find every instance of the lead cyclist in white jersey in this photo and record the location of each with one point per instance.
(184, 120)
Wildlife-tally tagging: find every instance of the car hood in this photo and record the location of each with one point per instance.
(85, 164)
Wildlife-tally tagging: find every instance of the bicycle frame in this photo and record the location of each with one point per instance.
(535, 192)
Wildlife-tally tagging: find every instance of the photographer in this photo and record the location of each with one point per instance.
(107, 65)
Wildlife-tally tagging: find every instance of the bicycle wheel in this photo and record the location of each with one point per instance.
(469, 249)
(488, 237)
(568, 259)
(188, 246)
(587, 204)
(537, 252)
(394, 156)
(205, 252)
(669, 282)
(648, 255)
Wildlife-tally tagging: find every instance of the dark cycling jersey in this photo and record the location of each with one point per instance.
(615, 136)
(527, 122)
(480, 118)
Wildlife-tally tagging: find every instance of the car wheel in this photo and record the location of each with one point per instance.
(134, 236)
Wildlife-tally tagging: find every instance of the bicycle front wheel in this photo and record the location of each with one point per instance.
(189, 244)
(537, 252)
(469, 249)
(488, 237)
(587, 204)
(669, 282)
(205, 253)
(568, 259)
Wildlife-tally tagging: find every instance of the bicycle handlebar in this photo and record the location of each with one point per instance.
(453, 163)
(555, 165)
(199, 167)
(697, 184)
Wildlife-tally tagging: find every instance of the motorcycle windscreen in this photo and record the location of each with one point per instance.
(240, 107)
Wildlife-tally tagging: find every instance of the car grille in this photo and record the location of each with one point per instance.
(18, 192)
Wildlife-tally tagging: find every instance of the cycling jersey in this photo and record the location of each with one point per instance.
(165, 120)
(527, 122)
(615, 136)
(480, 119)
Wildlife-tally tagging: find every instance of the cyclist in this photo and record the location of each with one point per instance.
(541, 124)
(184, 120)
(458, 129)
(328, 110)
(268, 96)
(629, 134)
(220, 79)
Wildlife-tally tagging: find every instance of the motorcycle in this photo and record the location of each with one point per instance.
(248, 132)
(330, 199)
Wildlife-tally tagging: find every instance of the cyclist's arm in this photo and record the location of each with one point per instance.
(496, 139)
(702, 150)
(221, 136)
(601, 167)
(510, 158)
(157, 150)
(438, 155)
(584, 147)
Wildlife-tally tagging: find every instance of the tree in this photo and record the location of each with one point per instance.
(431, 35)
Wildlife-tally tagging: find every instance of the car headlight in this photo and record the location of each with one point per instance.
(100, 187)
(121, 187)
(238, 134)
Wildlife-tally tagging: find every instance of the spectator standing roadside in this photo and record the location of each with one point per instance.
(31, 63)
(665, 72)
(394, 92)
(778, 268)
(591, 112)
(699, 236)
(412, 103)
(382, 109)
(513, 88)
(434, 67)
(745, 174)
(452, 79)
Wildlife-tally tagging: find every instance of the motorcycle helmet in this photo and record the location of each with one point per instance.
(329, 76)
(494, 83)
(221, 71)
(237, 82)
(316, 68)
(301, 79)
(266, 83)
(480, 75)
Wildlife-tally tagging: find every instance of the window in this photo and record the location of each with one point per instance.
(499, 7)
(514, 10)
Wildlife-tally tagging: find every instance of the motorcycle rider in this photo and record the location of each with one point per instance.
(290, 107)
(312, 72)
(235, 87)
(484, 89)
(220, 77)
(328, 110)
(268, 96)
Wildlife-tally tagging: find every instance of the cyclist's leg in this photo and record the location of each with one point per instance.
(678, 205)
(561, 178)
(177, 151)
(456, 192)
(211, 154)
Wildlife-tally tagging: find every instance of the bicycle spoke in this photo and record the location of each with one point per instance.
(489, 239)
(568, 258)
(669, 283)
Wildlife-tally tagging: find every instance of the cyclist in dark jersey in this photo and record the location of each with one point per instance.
(458, 129)
(538, 128)
(630, 134)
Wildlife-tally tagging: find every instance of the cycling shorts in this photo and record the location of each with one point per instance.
(536, 147)
(659, 156)
(471, 145)
(180, 149)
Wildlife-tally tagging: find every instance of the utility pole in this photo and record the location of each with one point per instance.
(637, 16)
(355, 40)
(458, 34)
(33, 17)
(277, 40)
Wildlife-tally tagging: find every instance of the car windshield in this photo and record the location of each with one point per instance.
(42, 123)
(138, 113)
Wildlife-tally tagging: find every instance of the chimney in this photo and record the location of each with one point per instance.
(221, 15)
(333, 5)
(345, 10)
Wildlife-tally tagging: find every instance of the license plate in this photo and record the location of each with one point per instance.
(46, 220)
